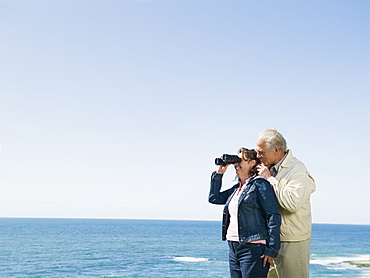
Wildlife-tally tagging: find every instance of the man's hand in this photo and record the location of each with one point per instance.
(263, 171)
(266, 259)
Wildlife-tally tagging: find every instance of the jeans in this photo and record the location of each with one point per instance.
(245, 260)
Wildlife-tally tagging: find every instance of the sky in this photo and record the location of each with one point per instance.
(117, 109)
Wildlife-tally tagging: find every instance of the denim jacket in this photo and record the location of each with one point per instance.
(258, 214)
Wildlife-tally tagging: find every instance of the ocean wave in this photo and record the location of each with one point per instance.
(190, 259)
(338, 262)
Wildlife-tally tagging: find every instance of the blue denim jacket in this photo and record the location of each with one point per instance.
(258, 214)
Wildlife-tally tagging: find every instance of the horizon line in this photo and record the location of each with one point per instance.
(149, 219)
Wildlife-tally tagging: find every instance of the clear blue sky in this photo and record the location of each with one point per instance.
(118, 108)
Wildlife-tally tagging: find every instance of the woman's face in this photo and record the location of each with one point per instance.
(243, 168)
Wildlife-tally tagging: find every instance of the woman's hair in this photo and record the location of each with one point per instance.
(247, 155)
(273, 138)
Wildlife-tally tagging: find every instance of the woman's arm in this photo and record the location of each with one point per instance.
(268, 202)
(215, 196)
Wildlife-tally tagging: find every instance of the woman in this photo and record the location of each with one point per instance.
(251, 219)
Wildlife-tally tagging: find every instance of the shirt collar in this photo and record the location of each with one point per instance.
(274, 169)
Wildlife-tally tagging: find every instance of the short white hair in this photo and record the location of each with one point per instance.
(273, 138)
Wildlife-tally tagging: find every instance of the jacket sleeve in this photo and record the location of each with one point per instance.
(269, 205)
(293, 188)
(215, 196)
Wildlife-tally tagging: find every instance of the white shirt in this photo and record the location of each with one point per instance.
(232, 231)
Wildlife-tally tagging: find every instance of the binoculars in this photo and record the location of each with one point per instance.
(227, 159)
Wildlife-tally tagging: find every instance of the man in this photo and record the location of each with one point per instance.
(293, 186)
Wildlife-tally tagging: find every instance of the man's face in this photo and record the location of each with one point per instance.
(267, 157)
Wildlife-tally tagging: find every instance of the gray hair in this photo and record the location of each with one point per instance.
(273, 138)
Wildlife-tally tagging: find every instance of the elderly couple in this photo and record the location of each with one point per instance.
(267, 214)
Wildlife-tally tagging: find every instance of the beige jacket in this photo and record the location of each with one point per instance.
(293, 187)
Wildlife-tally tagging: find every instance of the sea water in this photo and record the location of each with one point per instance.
(153, 248)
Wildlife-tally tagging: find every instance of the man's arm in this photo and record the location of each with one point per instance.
(294, 187)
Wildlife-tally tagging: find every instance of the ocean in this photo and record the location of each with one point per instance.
(153, 248)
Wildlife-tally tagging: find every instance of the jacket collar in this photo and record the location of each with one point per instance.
(288, 159)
